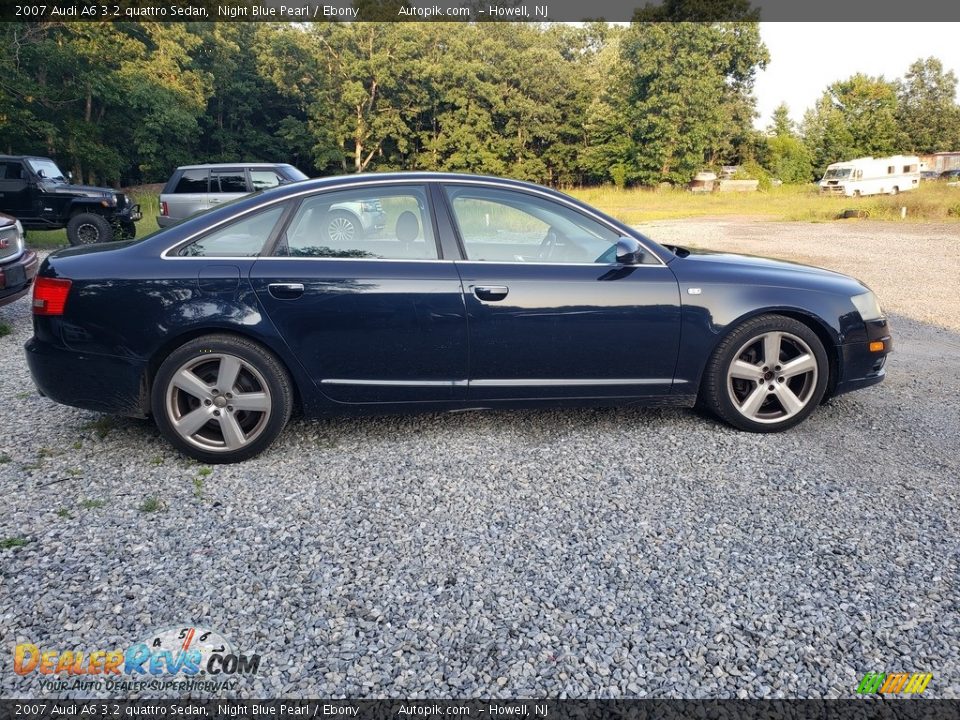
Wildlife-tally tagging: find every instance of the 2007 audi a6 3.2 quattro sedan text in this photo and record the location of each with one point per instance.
(474, 292)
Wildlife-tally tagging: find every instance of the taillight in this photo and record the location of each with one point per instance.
(50, 295)
(163, 208)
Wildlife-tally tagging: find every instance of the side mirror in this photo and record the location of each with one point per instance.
(629, 251)
(70, 175)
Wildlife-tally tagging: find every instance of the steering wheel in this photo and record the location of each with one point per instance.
(547, 245)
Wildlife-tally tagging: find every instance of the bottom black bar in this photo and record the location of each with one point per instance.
(873, 708)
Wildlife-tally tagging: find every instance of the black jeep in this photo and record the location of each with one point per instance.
(33, 190)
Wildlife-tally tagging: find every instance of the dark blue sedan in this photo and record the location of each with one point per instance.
(476, 293)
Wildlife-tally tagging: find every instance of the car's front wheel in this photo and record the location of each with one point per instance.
(88, 228)
(768, 375)
(221, 398)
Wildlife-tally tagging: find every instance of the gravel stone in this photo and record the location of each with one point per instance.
(571, 553)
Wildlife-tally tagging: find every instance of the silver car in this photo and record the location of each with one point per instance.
(194, 188)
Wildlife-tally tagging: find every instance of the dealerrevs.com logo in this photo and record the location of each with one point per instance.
(183, 658)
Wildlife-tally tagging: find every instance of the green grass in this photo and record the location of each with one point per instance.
(12, 542)
(150, 505)
(101, 426)
(5, 329)
(930, 202)
(64, 513)
(4, 459)
(92, 504)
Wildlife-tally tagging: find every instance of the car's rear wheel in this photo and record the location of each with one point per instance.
(88, 228)
(221, 398)
(768, 375)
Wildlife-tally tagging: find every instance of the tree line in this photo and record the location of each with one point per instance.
(651, 102)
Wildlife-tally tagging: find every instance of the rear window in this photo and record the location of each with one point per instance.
(192, 181)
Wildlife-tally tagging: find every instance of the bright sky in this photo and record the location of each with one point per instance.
(806, 57)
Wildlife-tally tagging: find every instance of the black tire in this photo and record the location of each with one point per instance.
(125, 231)
(726, 396)
(340, 226)
(88, 228)
(261, 374)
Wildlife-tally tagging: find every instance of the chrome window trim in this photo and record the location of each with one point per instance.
(394, 181)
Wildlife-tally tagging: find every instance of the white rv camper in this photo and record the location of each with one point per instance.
(872, 176)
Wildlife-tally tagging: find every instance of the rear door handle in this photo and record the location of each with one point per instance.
(491, 293)
(285, 291)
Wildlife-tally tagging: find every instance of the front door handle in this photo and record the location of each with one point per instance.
(285, 291)
(491, 293)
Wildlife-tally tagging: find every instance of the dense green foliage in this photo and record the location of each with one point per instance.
(656, 101)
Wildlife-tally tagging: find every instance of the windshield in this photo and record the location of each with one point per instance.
(47, 169)
(836, 173)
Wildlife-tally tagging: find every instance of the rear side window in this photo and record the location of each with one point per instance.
(228, 181)
(364, 223)
(192, 181)
(243, 238)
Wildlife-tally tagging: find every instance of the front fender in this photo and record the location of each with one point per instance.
(719, 309)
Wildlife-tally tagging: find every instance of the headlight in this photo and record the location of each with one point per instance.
(867, 305)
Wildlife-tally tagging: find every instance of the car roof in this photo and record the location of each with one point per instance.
(413, 176)
(207, 166)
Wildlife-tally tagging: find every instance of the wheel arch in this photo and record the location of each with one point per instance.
(172, 343)
(823, 331)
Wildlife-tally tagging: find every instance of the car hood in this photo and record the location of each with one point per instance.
(735, 267)
(756, 261)
(83, 190)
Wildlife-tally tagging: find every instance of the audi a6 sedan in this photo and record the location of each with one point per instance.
(477, 292)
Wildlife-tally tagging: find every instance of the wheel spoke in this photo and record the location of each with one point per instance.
(255, 401)
(751, 405)
(745, 371)
(192, 421)
(227, 375)
(233, 436)
(771, 348)
(790, 402)
(190, 383)
(799, 366)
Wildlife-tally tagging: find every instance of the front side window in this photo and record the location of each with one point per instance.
(11, 170)
(505, 226)
(264, 179)
(386, 223)
(242, 238)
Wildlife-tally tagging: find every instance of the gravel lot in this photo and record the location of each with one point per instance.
(580, 553)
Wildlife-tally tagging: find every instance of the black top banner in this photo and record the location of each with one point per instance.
(865, 709)
(485, 11)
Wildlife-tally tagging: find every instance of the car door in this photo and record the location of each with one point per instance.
(551, 314)
(16, 196)
(371, 310)
(227, 184)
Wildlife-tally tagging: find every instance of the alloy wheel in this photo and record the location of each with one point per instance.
(773, 377)
(218, 402)
(341, 229)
